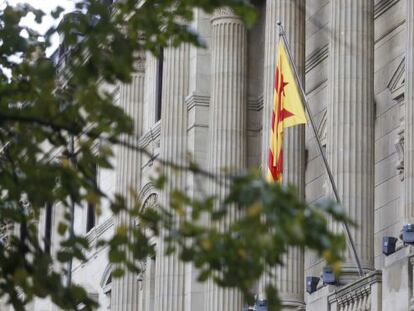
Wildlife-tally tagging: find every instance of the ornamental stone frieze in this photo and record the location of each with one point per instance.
(399, 146)
(139, 64)
(224, 13)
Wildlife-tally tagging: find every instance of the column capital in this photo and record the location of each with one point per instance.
(225, 13)
(140, 63)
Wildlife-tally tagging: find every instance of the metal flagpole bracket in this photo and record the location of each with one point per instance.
(282, 34)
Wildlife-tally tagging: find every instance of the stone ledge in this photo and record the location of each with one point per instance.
(360, 287)
(96, 232)
(316, 57)
(401, 253)
(195, 100)
(150, 136)
(383, 6)
(255, 103)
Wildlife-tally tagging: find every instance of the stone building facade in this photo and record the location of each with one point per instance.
(356, 59)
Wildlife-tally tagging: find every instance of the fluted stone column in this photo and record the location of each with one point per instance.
(169, 286)
(227, 122)
(350, 115)
(409, 116)
(291, 13)
(125, 290)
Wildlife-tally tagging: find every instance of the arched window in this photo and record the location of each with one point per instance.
(106, 284)
(148, 275)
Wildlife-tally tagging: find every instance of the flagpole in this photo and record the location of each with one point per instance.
(282, 33)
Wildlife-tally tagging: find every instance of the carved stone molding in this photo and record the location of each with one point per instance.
(396, 88)
(322, 129)
(383, 6)
(97, 232)
(195, 100)
(150, 136)
(316, 57)
(225, 13)
(397, 81)
(357, 296)
(399, 146)
(151, 201)
(6, 228)
(140, 63)
(255, 104)
(146, 191)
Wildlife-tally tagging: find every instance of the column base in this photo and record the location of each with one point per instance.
(350, 274)
(292, 306)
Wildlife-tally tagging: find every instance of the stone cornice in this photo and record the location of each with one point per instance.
(194, 100)
(225, 14)
(150, 136)
(322, 84)
(396, 83)
(140, 63)
(255, 104)
(99, 230)
(383, 6)
(316, 57)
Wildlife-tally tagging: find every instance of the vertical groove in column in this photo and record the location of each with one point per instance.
(291, 13)
(169, 288)
(227, 123)
(409, 117)
(350, 115)
(150, 90)
(125, 291)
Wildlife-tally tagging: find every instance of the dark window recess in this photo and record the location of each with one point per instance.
(90, 214)
(23, 231)
(160, 65)
(23, 222)
(48, 227)
(90, 217)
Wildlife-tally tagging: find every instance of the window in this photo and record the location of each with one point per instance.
(160, 65)
(48, 227)
(106, 284)
(90, 217)
(90, 210)
(108, 292)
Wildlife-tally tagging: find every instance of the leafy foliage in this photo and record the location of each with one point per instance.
(270, 220)
(44, 105)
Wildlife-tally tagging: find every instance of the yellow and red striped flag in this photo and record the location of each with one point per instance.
(287, 111)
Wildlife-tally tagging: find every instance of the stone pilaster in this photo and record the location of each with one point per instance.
(150, 102)
(125, 290)
(227, 122)
(290, 277)
(350, 115)
(409, 117)
(169, 285)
